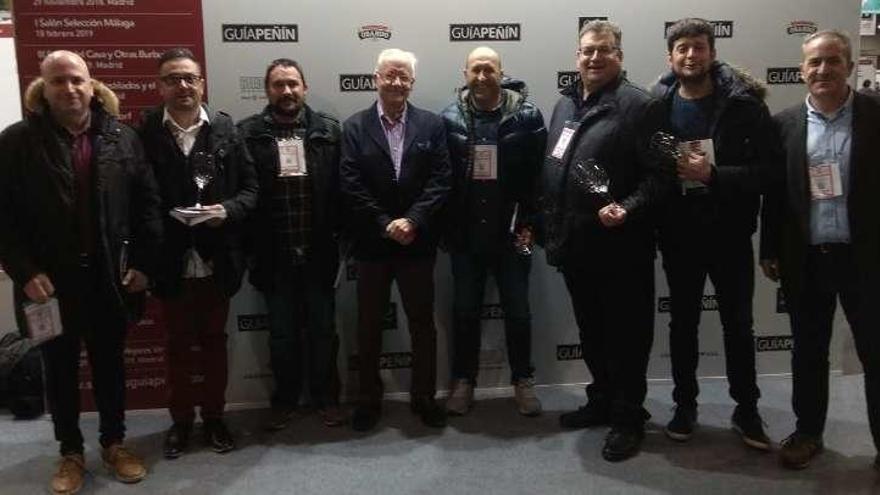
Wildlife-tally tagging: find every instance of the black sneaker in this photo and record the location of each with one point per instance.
(217, 435)
(683, 423)
(586, 416)
(176, 440)
(747, 422)
(622, 442)
(280, 418)
(364, 418)
(430, 412)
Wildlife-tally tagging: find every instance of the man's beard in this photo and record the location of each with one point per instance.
(693, 78)
(284, 111)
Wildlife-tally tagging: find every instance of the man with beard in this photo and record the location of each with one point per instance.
(77, 199)
(718, 112)
(292, 239)
(820, 235)
(601, 235)
(201, 263)
(395, 177)
(496, 140)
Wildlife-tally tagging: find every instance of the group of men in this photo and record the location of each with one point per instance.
(93, 214)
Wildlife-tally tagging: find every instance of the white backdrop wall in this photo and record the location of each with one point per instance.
(760, 34)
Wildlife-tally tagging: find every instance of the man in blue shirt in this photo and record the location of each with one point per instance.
(821, 234)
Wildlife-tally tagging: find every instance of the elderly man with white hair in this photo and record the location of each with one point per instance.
(395, 176)
(79, 225)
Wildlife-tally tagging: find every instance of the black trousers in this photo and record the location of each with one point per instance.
(613, 304)
(415, 283)
(88, 316)
(831, 273)
(729, 263)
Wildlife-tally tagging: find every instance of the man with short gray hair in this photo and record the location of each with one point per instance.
(820, 235)
(395, 177)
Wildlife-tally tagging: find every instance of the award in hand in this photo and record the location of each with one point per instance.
(591, 177)
(202, 172)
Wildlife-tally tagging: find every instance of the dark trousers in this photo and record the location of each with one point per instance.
(729, 263)
(415, 283)
(831, 275)
(89, 316)
(300, 299)
(511, 273)
(613, 305)
(196, 318)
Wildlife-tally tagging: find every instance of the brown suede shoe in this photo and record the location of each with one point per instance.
(125, 466)
(332, 416)
(69, 477)
(799, 449)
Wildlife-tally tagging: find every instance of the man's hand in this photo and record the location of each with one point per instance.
(694, 166)
(612, 215)
(135, 281)
(770, 269)
(39, 288)
(217, 208)
(401, 230)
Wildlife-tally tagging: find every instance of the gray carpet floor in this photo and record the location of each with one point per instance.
(490, 451)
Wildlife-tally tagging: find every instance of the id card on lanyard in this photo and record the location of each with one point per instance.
(291, 157)
(561, 146)
(825, 180)
(485, 161)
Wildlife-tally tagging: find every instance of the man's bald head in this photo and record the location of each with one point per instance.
(483, 53)
(483, 76)
(67, 87)
(63, 57)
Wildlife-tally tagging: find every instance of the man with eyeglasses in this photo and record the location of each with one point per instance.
(395, 176)
(599, 232)
(706, 227)
(293, 241)
(202, 262)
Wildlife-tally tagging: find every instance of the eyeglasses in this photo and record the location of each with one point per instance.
(176, 79)
(390, 78)
(601, 50)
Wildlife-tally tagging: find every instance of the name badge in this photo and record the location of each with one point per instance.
(825, 180)
(562, 143)
(291, 157)
(485, 161)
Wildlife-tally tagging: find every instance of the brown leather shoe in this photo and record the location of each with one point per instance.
(69, 477)
(125, 466)
(332, 416)
(799, 449)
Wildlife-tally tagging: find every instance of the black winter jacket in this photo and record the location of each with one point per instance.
(322, 156)
(521, 141)
(614, 131)
(38, 223)
(742, 133)
(234, 185)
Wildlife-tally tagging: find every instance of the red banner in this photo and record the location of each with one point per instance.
(120, 40)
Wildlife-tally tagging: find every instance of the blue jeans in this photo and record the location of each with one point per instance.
(511, 273)
(300, 301)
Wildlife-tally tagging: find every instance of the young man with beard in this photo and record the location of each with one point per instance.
(292, 239)
(706, 228)
(604, 243)
(496, 141)
(201, 265)
(820, 235)
(395, 177)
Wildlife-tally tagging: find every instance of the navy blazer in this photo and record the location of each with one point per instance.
(375, 197)
(785, 230)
